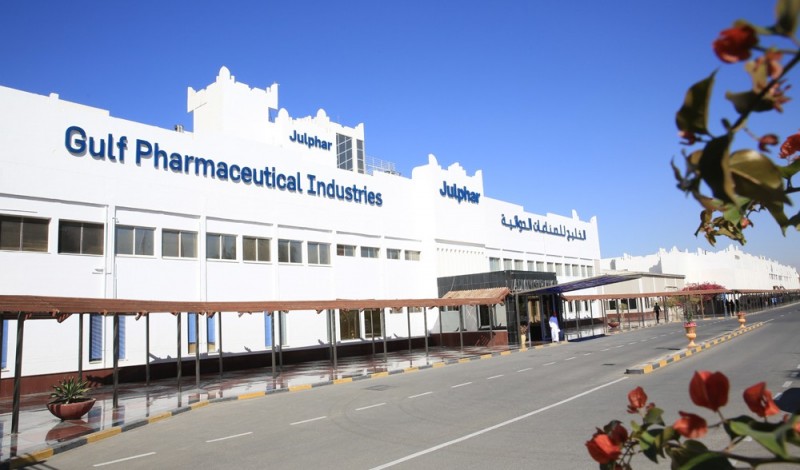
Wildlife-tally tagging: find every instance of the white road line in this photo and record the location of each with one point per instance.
(569, 358)
(307, 420)
(549, 363)
(461, 385)
(798, 366)
(632, 343)
(606, 349)
(525, 369)
(230, 437)
(370, 406)
(787, 384)
(492, 428)
(123, 460)
(494, 377)
(620, 346)
(587, 354)
(420, 395)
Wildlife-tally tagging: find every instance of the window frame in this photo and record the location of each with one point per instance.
(366, 252)
(291, 246)
(316, 248)
(181, 234)
(220, 240)
(257, 241)
(21, 239)
(134, 242)
(83, 239)
(412, 255)
(345, 250)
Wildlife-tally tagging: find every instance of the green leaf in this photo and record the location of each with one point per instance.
(771, 436)
(786, 12)
(748, 101)
(653, 416)
(789, 170)
(693, 115)
(757, 177)
(707, 461)
(713, 166)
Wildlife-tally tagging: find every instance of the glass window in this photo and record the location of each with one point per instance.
(540, 266)
(576, 271)
(219, 246)
(530, 266)
(344, 152)
(372, 323)
(319, 253)
(137, 241)
(567, 270)
(518, 265)
(559, 269)
(392, 253)
(550, 268)
(369, 252)
(412, 255)
(290, 251)
(178, 244)
(589, 271)
(80, 237)
(256, 249)
(349, 325)
(23, 233)
(345, 250)
(360, 155)
(507, 264)
(494, 264)
(95, 337)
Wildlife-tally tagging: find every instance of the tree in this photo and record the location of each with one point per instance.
(740, 182)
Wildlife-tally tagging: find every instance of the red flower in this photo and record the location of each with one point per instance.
(690, 426)
(734, 44)
(603, 449)
(709, 390)
(791, 145)
(759, 400)
(637, 399)
(768, 139)
(619, 434)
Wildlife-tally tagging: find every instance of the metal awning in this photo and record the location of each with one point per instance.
(492, 295)
(580, 284)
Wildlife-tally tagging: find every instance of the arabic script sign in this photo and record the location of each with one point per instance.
(556, 230)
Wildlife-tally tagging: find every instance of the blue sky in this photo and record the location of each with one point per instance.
(563, 105)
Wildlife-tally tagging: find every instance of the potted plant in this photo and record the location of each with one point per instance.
(689, 324)
(69, 399)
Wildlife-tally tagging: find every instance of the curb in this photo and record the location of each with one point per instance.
(647, 368)
(41, 455)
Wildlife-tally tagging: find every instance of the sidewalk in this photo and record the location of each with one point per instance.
(42, 435)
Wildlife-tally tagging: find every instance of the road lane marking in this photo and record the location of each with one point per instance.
(229, 437)
(549, 363)
(461, 385)
(370, 406)
(787, 384)
(525, 369)
(496, 426)
(123, 460)
(606, 349)
(494, 377)
(569, 358)
(307, 420)
(620, 346)
(420, 395)
(587, 354)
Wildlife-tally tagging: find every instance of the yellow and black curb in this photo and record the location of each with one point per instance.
(652, 366)
(41, 455)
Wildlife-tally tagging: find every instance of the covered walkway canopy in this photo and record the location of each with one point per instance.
(581, 284)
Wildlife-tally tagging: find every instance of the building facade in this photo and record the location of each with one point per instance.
(731, 268)
(252, 204)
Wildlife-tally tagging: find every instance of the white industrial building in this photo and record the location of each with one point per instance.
(731, 268)
(252, 204)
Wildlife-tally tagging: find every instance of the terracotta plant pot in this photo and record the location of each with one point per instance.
(741, 319)
(691, 335)
(613, 324)
(75, 410)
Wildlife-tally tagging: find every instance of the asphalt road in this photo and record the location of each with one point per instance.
(525, 410)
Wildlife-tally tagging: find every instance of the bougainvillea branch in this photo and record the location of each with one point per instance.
(731, 184)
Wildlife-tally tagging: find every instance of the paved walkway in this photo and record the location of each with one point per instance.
(41, 434)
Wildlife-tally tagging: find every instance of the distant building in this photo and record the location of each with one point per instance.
(731, 268)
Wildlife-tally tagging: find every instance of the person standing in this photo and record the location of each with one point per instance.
(657, 310)
(554, 329)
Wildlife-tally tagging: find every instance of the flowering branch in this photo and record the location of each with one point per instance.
(613, 447)
(742, 181)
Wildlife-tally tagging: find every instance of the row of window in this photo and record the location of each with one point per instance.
(31, 234)
(496, 264)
